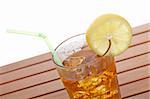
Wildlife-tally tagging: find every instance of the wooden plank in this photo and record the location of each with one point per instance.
(124, 78)
(130, 90)
(133, 52)
(25, 63)
(29, 62)
(22, 83)
(126, 90)
(59, 95)
(133, 63)
(130, 76)
(28, 82)
(145, 95)
(19, 74)
(36, 90)
(26, 72)
(46, 76)
(63, 95)
(141, 28)
(134, 88)
(139, 39)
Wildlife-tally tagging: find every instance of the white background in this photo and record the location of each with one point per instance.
(60, 19)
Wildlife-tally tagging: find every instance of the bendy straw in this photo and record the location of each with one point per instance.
(39, 35)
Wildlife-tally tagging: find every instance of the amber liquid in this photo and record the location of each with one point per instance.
(99, 80)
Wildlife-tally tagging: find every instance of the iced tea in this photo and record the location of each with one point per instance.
(90, 76)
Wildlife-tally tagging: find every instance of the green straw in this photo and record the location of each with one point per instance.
(39, 35)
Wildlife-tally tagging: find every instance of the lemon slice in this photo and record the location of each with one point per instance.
(106, 29)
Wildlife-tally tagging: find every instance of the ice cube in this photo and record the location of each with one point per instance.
(103, 78)
(80, 95)
(102, 89)
(109, 74)
(80, 76)
(96, 81)
(74, 61)
(111, 94)
(95, 97)
(85, 83)
(93, 71)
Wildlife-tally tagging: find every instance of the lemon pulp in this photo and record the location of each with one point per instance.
(109, 27)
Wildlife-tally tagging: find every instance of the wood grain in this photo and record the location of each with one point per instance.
(145, 95)
(131, 76)
(61, 95)
(133, 63)
(28, 82)
(45, 76)
(34, 91)
(134, 88)
(26, 72)
(25, 63)
(141, 29)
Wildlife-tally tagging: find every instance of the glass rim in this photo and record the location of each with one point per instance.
(60, 45)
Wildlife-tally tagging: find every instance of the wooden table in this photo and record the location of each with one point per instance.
(37, 78)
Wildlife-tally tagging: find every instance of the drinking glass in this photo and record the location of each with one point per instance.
(85, 74)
